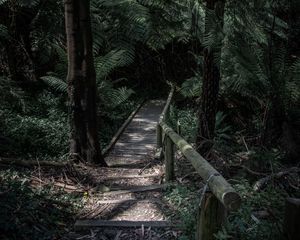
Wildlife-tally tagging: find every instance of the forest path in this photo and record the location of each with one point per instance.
(131, 205)
(137, 144)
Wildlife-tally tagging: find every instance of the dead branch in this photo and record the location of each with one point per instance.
(261, 183)
(252, 172)
(31, 163)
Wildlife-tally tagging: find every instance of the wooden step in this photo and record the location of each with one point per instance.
(133, 176)
(137, 189)
(96, 223)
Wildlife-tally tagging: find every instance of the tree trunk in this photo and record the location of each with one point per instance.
(291, 225)
(210, 86)
(84, 143)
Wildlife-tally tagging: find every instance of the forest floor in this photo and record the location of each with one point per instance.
(42, 202)
(45, 202)
(130, 189)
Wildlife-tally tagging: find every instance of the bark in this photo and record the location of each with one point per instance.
(210, 88)
(84, 142)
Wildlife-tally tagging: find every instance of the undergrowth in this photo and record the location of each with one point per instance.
(39, 127)
(33, 213)
(187, 118)
(183, 200)
(244, 224)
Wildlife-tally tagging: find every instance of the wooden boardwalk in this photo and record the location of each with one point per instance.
(134, 178)
(138, 142)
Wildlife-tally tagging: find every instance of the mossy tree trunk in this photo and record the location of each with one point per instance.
(84, 142)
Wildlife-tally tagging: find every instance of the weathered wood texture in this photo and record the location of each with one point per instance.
(164, 115)
(218, 185)
(210, 217)
(292, 219)
(82, 224)
(169, 159)
(135, 190)
(138, 140)
(32, 163)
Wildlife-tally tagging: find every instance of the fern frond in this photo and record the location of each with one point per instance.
(191, 87)
(112, 98)
(56, 83)
(112, 60)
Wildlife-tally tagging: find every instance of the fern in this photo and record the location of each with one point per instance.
(55, 83)
(112, 60)
(116, 97)
(191, 87)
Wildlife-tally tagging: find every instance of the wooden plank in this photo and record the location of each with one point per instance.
(132, 151)
(130, 154)
(138, 138)
(218, 185)
(141, 140)
(135, 146)
(119, 201)
(136, 134)
(133, 176)
(134, 190)
(95, 223)
(141, 131)
(124, 150)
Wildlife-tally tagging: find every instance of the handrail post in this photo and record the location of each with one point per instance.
(210, 217)
(158, 136)
(169, 159)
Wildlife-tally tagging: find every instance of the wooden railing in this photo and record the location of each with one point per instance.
(214, 204)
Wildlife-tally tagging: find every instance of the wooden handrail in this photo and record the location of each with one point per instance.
(218, 185)
(165, 111)
(223, 198)
(163, 118)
